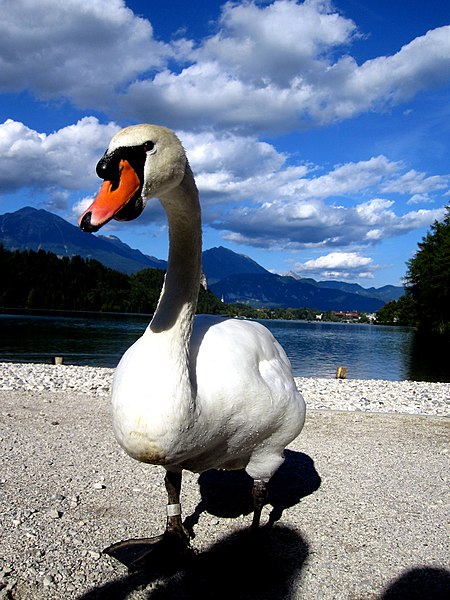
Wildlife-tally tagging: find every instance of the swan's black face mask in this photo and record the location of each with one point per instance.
(120, 195)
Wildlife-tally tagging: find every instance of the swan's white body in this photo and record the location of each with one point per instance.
(238, 408)
(191, 393)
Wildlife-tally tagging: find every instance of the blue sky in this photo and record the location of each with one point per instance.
(318, 131)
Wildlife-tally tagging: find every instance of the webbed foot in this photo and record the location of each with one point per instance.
(162, 553)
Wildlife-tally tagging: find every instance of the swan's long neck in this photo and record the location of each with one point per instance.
(176, 307)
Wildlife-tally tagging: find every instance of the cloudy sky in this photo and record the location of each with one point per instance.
(318, 131)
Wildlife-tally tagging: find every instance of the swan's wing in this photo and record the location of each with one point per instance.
(244, 379)
(246, 347)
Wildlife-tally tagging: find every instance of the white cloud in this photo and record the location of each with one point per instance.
(334, 260)
(275, 67)
(316, 224)
(418, 219)
(342, 265)
(277, 42)
(421, 64)
(419, 199)
(81, 205)
(61, 161)
(414, 182)
(254, 196)
(234, 168)
(346, 179)
(237, 155)
(270, 67)
(83, 50)
(374, 235)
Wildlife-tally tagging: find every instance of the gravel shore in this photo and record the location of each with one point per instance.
(361, 503)
(405, 397)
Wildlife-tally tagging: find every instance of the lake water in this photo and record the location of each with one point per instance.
(315, 349)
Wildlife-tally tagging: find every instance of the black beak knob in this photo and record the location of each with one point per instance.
(85, 224)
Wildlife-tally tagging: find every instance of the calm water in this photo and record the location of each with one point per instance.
(315, 349)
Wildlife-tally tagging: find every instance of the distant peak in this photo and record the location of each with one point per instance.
(110, 237)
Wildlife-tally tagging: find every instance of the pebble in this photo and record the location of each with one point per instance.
(375, 395)
(54, 514)
(55, 378)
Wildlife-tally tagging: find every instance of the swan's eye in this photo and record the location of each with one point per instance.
(149, 146)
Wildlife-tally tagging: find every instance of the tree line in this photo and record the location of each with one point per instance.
(42, 280)
(426, 303)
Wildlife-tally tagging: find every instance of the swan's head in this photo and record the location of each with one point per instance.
(141, 162)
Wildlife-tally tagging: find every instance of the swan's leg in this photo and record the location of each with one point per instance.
(163, 551)
(259, 498)
(174, 524)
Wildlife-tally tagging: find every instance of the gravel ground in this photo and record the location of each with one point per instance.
(361, 503)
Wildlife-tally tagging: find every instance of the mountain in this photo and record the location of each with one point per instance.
(235, 277)
(33, 229)
(145, 259)
(221, 262)
(276, 291)
(385, 293)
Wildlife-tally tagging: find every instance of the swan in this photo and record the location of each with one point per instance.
(193, 392)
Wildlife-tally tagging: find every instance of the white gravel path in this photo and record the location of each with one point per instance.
(361, 501)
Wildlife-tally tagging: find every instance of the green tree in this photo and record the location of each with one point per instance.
(428, 278)
(208, 303)
(145, 290)
(398, 312)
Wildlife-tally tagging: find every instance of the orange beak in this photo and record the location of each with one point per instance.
(110, 200)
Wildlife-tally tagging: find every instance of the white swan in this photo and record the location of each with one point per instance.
(191, 393)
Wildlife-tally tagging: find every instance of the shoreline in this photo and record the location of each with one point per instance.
(353, 395)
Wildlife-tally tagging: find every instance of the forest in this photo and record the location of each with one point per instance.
(42, 280)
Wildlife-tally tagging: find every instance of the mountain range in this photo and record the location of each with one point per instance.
(231, 276)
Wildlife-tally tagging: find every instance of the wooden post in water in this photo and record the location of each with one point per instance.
(57, 360)
(341, 373)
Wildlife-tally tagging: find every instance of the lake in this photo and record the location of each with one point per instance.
(315, 349)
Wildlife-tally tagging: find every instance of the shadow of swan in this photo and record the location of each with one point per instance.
(228, 494)
(420, 583)
(260, 565)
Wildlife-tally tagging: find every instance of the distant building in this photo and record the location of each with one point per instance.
(347, 316)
